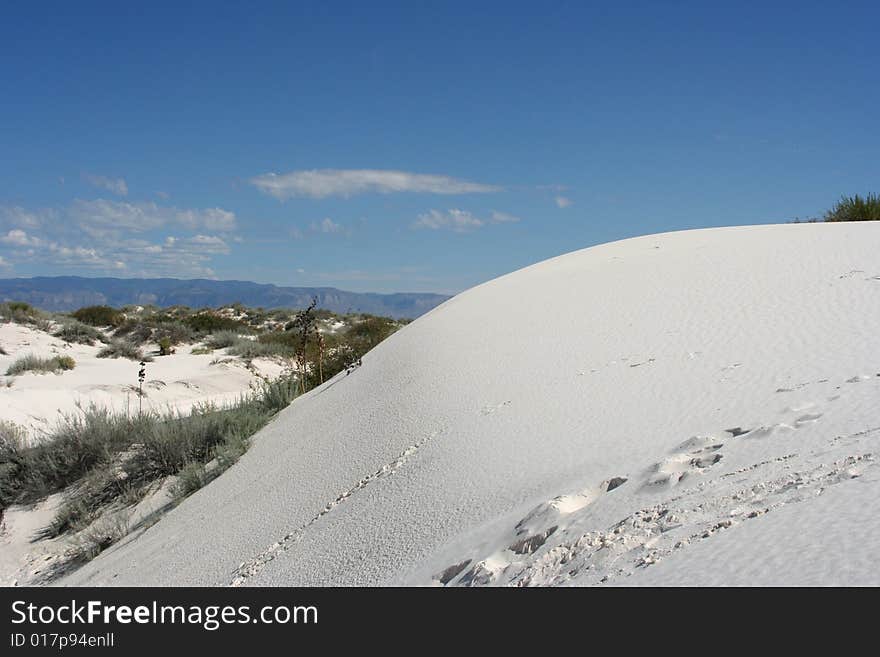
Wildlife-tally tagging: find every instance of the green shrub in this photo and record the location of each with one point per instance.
(98, 315)
(79, 333)
(206, 322)
(855, 208)
(136, 331)
(122, 349)
(165, 348)
(31, 363)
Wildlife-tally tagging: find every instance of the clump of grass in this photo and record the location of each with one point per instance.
(97, 538)
(223, 339)
(122, 349)
(76, 332)
(249, 349)
(855, 208)
(191, 477)
(31, 363)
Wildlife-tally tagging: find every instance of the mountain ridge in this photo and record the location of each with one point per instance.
(63, 293)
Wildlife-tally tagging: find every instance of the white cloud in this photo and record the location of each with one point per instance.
(459, 221)
(99, 216)
(563, 202)
(502, 218)
(116, 185)
(321, 183)
(18, 237)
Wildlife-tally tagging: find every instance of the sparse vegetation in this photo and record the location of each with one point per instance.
(122, 349)
(105, 461)
(100, 456)
(855, 208)
(20, 313)
(32, 363)
(75, 331)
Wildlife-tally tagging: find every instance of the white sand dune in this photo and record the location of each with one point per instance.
(687, 408)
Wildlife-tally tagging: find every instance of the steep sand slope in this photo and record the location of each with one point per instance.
(693, 407)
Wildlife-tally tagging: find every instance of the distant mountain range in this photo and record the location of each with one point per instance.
(60, 293)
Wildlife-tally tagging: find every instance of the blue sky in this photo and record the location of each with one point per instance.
(416, 146)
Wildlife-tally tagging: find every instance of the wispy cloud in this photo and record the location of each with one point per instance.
(459, 221)
(21, 218)
(321, 183)
(563, 201)
(327, 226)
(116, 185)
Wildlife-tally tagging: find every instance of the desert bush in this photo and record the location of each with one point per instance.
(20, 313)
(175, 332)
(223, 339)
(32, 363)
(165, 348)
(122, 349)
(97, 315)
(79, 333)
(206, 322)
(137, 331)
(855, 208)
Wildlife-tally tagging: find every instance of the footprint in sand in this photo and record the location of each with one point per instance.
(531, 533)
(694, 456)
(808, 418)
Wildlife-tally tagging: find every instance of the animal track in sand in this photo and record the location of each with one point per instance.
(256, 564)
